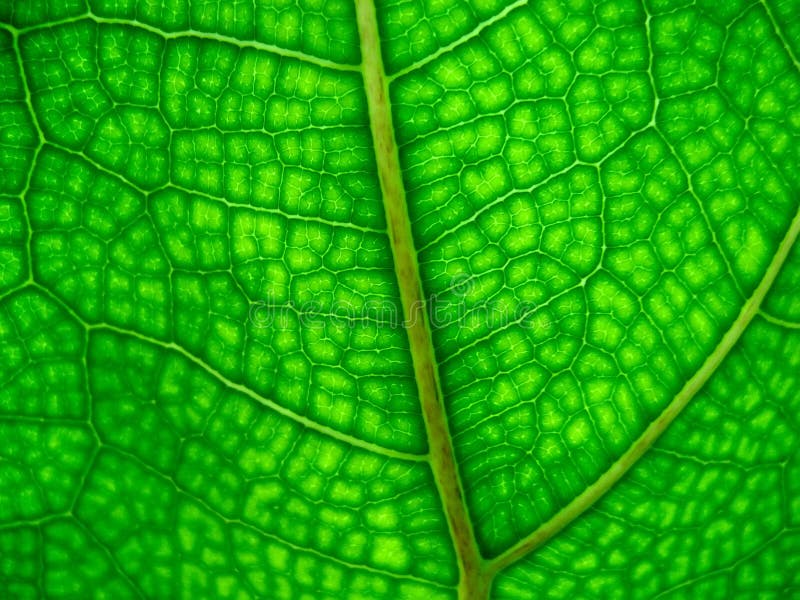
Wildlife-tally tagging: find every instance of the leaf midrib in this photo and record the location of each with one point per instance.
(472, 584)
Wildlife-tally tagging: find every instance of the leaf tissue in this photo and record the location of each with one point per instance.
(400, 299)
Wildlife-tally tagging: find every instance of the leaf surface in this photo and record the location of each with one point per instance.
(448, 299)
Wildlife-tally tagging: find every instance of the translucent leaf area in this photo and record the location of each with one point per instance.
(399, 299)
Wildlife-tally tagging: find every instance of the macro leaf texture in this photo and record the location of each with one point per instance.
(438, 299)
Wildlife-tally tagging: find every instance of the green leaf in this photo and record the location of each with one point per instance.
(448, 299)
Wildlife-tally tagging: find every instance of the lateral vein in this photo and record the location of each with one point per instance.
(690, 389)
(461, 40)
(298, 418)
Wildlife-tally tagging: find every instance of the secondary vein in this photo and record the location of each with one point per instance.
(690, 389)
(172, 346)
(472, 584)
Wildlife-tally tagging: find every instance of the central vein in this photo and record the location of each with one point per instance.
(472, 584)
